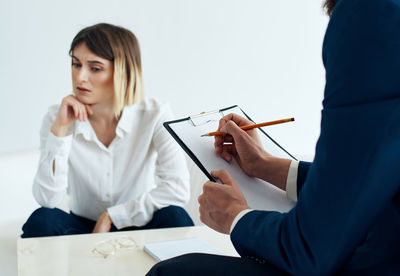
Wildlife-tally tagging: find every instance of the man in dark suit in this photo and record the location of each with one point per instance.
(347, 217)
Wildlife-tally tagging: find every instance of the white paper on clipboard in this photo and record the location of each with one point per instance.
(259, 194)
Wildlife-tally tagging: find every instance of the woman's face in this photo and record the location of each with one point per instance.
(92, 77)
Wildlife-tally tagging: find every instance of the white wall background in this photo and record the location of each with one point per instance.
(264, 55)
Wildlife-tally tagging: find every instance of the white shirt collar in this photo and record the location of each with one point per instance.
(126, 120)
(85, 129)
(124, 125)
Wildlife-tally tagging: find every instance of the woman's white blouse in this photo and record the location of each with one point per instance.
(120, 178)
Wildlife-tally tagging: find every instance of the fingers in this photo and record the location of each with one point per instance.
(224, 176)
(219, 141)
(204, 209)
(237, 139)
(204, 200)
(233, 129)
(80, 111)
(222, 139)
(220, 204)
(75, 108)
(227, 151)
(239, 120)
(83, 112)
(69, 111)
(231, 124)
(80, 115)
(224, 145)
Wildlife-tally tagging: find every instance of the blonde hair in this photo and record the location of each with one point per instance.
(120, 46)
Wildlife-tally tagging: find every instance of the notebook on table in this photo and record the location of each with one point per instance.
(164, 250)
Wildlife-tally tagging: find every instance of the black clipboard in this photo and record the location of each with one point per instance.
(179, 129)
(191, 154)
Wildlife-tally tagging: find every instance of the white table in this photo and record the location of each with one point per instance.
(72, 255)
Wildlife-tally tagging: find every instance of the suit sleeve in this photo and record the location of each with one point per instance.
(357, 154)
(302, 174)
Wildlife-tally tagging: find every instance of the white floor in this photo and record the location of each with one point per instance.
(9, 233)
(16, 203)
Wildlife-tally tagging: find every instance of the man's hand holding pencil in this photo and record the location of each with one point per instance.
(218, 202)
(246, 147)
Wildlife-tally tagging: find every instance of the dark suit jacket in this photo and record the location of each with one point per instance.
(347, 218)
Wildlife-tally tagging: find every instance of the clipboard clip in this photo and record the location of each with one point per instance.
(206, 117)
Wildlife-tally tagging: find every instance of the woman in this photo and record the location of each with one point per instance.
(104, 145)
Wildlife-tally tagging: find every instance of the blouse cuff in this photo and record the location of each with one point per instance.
(59, 145)
(119, 216)
(291, 182)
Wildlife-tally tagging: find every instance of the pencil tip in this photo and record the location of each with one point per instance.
(203, 135)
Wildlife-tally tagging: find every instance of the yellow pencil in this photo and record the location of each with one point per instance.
(252, 126)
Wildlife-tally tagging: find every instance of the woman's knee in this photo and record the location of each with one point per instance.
(40, 223)
(172, 216)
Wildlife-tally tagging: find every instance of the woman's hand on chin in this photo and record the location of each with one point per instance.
(71, 109)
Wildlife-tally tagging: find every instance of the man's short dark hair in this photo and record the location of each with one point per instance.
(329, 5)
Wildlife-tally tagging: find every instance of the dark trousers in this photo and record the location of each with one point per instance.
(55, 222)
(210, 265)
